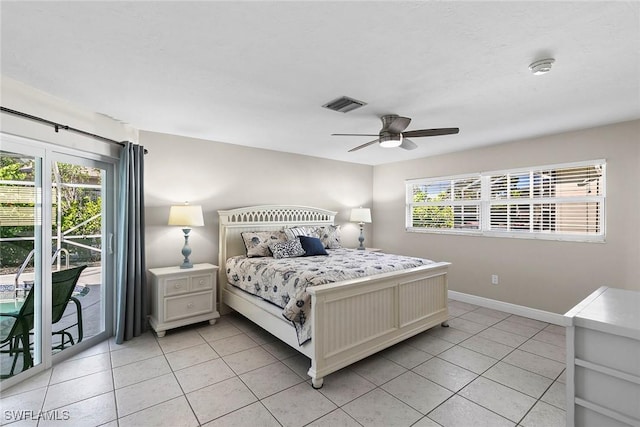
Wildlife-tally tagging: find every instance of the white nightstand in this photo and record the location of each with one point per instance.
(373, 249)
(182, 296)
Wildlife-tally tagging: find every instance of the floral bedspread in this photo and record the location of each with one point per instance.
(283, 282)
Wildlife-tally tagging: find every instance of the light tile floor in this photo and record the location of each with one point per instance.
(488, 369)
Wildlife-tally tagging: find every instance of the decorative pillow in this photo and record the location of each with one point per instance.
(257, 242)
(293, 232)
(329, 235)
(286, 249)
(312, 246)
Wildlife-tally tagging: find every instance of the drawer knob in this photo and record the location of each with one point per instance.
(178, 285)
(190, 305)
(202, 281)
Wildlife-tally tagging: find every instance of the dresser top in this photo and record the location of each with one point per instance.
(611, 310)
(177, 270)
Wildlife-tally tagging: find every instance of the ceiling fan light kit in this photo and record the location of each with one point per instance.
(542, 66)
(390, 140)
(393, 135)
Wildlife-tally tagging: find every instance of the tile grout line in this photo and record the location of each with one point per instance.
(481, 375)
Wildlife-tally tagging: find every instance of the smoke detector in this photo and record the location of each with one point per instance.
(541, 66)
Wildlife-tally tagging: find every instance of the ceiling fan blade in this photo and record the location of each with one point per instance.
(364, 145)
(430, 132)
(354, 134)
(408, 144)
(398, 124)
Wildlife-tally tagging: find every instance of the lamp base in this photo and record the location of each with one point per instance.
(186, 250)
(361, 238)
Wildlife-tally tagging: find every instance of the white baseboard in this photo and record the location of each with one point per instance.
(519, 310)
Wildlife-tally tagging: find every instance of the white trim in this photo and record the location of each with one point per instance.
(518, 310)
(551, 166)
(444, 178)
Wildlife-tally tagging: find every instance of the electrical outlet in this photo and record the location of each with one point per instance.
(494, 279)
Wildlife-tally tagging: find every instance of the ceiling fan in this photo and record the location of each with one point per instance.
(392, 135)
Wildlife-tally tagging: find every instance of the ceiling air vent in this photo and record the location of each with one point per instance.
(344, 104)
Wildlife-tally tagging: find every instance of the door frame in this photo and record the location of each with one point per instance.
(50, 153)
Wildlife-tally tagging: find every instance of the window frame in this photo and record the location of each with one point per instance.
(486, 203)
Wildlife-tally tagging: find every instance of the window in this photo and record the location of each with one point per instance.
(551, 202)
(445, 204)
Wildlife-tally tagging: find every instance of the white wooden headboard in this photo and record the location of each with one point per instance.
(262, 218)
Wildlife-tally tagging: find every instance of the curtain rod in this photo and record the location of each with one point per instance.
(58, 126)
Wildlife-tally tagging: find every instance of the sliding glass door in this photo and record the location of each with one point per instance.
(56, 217)
(81, 233)
(22, 237)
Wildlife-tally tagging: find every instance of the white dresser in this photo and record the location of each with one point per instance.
(603, 360)
(183, 296)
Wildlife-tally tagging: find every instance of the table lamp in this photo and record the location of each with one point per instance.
(361, 216)
(186, 216)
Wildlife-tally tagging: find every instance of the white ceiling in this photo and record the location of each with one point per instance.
(257, 73)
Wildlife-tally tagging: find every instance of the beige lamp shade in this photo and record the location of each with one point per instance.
(360, 215)
(186, 216)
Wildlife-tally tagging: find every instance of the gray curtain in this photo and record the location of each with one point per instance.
(131, 286)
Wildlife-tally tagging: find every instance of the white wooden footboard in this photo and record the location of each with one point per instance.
(356, 318)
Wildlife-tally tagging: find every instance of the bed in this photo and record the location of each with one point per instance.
(348, 319)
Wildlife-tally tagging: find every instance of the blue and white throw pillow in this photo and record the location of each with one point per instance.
(286, 249)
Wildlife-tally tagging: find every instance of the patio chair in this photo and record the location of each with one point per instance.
(17, 339)
(63, 283)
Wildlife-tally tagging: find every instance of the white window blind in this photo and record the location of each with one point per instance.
(555, 202)
(445, 204)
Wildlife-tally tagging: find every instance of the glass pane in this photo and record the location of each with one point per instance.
(499, 220)
(519, 217)
(519, 185)
(432, 216)
(466, 189)
(77, 241)
(544, 184)
(544, 217)
(466, 217)
(577, 218)
(499, 187)
(20, 254)
(432, 192)
(579, 182)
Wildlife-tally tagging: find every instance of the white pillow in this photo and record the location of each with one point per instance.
(329, 235)
(293, 232)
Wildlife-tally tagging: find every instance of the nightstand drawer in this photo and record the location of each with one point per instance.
(188, 305)
(201, 283)
(176, 286)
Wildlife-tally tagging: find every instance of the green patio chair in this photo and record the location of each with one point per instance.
(17, 339)
(14, 338)
(63, 283)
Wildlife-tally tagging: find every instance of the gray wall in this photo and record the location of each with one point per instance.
(224, 176)
(547, 275)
